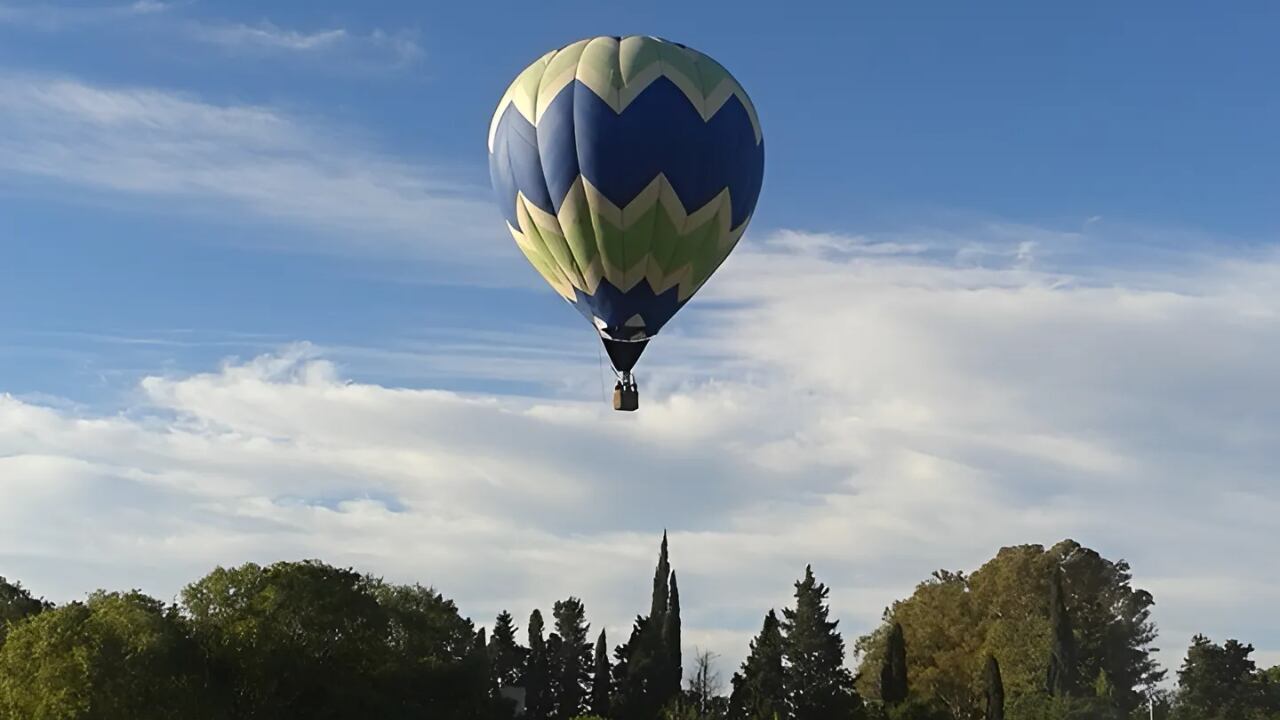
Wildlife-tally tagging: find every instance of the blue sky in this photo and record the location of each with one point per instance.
(1011, 199)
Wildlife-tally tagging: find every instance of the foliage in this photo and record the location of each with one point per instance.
(537, 672)
(1061, 678)
(506, 655)
(116, 656)
(1221, 682)
(17, 604)
(759, 689)
(570, 659)
(818, 684)
(307, 640)
(646, 676)
(953, 621)
(292, 639)
(994, 690)
(601, 679)
(893, 672)
(915, 708)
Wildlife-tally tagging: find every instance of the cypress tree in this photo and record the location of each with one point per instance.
(658, 604)
(479, 656)
(671, 641)
(994, 690)
(571, 660)
(644, 672)
(506, 656)
(759, 688)
(819, 687)
(893, 673)
(601, 685)
(537, 680)
(1061, 681)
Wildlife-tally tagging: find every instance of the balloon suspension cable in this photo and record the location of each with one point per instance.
(604, 394)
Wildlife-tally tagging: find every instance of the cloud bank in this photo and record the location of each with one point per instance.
(156, 145)
(877, 412)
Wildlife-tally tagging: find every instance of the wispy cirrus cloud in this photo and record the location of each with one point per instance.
(399, 48)
(375, 48)
(880, 416)
(269, 36)
(58, 17)
(154, 144)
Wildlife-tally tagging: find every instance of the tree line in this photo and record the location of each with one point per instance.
(1034, 634)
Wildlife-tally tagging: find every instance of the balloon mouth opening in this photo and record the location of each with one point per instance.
(634, 331)
(624, 354)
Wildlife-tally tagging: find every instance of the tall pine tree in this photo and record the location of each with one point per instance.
(994, 690)
(570, 661)
(893, 673)
(506, 656)
(819, 686)
(1061, 680)
(537, 686)
(601, 682)
(759, 688)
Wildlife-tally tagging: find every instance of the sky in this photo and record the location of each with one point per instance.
(1014, 277)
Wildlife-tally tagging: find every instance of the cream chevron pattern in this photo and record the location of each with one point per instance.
(627, 169)
(590, 239)
(618, 70)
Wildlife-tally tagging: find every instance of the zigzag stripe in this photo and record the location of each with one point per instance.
(652, 240)
(660, 133)
(596, 152)
(618, 71)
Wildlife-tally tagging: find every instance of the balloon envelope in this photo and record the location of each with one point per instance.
(627, 170)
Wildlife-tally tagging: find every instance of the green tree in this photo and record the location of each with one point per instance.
(994, 690)
(480, 658)
(671, 641)
(1111, 623)
(646, 674)
(538, 672)
(1061, 677)
(819, 687)
(915, 708)
(506, 655)
(292, 640)
(953, 621)
(893, 672)
(759, 688)
(661, 580)
(17, 604)
(571, 660)
(116, 656)
(940, 621)
(428, 660)
(601, 681)
(1221, 682)
(307, 640)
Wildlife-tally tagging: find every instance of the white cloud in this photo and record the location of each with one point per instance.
(400, 48)
(878, 415)
(152, 144)
(58, 17)
(376, 48)
(268, 35)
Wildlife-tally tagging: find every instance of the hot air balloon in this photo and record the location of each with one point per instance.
(627, 169)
